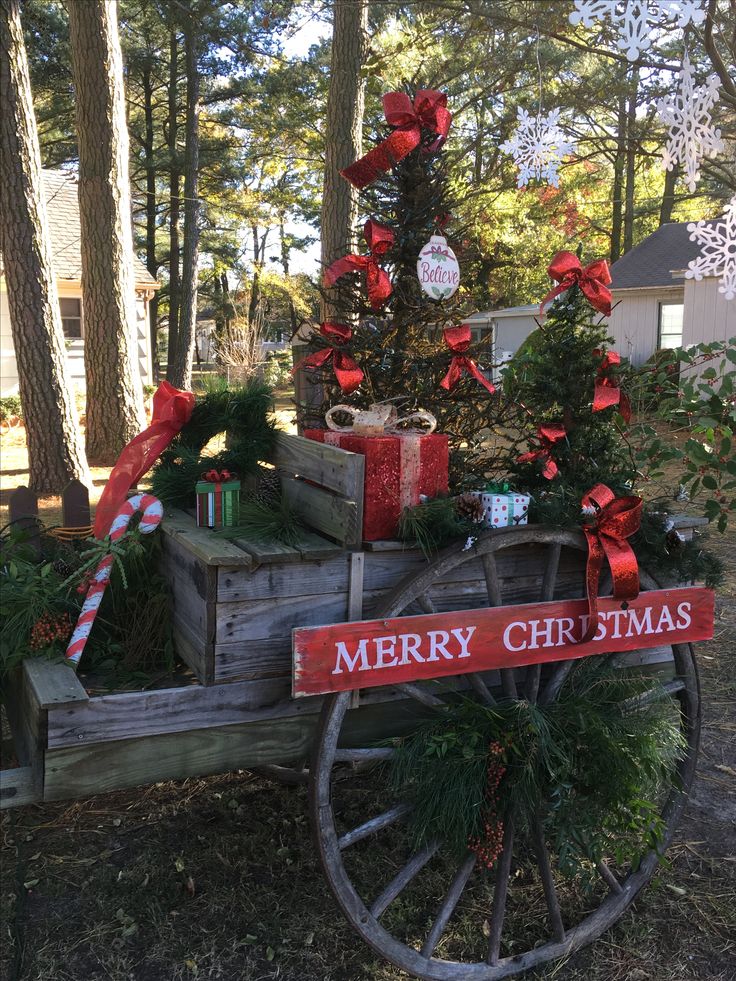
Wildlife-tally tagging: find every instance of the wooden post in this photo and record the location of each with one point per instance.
(75, 505)
(23, 509)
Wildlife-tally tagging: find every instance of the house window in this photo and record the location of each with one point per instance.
(71, 316)
(670, 324)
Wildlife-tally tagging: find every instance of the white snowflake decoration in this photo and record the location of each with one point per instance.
(692, 135)
(635, 18)
(538, 147)
(718, 256)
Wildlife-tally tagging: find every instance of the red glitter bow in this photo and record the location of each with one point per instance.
(593, 280)
(349, 375)
(607, 389)
(172, 410)
(547, 436)
(458, 341)
(429, 111)
(612, 521)
(379, 239)
(218, 476)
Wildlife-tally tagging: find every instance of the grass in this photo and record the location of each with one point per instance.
(217, 878)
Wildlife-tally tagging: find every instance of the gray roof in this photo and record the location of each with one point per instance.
(652, 261)
(62, 207)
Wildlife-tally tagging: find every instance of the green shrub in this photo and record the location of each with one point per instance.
(10, 406)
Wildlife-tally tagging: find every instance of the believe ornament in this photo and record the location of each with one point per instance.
(401, 465)
(718, 257)
(438, 269)
(692, 135)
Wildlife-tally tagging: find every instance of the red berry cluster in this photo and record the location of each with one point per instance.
(85, 583)
(49, 628)
(488, 846)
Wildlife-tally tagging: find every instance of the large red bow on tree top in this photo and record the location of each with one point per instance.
(349, 375)
(172, 410)
(458, 341)
(379, 239)
(611, 520)
(429, 111)
(547, 436)
(593, 280)
(607, 389)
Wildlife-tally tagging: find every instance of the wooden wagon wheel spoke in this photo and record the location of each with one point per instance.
(500, 893)
(496, 552)
(400, 881)
(447, 907)
(548, 883)
(375, 824)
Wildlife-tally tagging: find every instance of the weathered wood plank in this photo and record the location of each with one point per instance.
(212, 549)
(283, 580)
(190, 649)
(19, 786)
(53, 683)
(130, 715)
(328, 466)
(332, 515)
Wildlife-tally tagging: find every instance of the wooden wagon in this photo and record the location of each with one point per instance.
(235, 605)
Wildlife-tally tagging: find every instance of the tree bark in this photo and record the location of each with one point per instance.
(114, 393)
(174, 204)
(630, 159)
(618, 175)
(668, 195)
(150, 165)
(344, 127)
(55, 454)
(180, 373)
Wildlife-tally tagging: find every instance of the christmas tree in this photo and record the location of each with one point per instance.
(411, 347)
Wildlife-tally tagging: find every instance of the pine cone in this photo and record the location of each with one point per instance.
(469, 507)
(269, 486)
(62, 568)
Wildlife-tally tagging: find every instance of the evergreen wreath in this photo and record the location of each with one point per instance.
(244, 414)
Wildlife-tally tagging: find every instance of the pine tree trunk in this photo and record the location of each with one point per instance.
(180, 373)
(668, 195)
(114, 393)
(150, 165)
(630, 160)
(618, 177)
(55, 454)
(174, 205)
(344, 127)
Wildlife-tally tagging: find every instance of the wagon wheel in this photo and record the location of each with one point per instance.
(410, 933)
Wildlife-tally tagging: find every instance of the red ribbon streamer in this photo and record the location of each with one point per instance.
(458, 341)
(607, 389)
(172, 410)
(347, 371)
(593, 280)
(379, 239)
(615, 520)
(429, 111)
(547, 436)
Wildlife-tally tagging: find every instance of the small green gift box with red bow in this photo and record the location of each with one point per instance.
(218, 499)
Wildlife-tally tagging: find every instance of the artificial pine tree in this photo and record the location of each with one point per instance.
(553, 381)
(399, 344)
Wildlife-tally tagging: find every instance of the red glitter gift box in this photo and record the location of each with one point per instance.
(398, 468)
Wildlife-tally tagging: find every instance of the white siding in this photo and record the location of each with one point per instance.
(511, 332)
(634, 322)
(709, 316)
(8, 367)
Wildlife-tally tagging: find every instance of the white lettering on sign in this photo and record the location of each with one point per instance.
(533, 634)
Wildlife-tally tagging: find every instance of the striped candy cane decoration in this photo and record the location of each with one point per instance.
(152, 512)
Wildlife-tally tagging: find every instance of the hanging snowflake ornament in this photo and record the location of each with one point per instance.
(692, 135)
(538, 147)
(718, 256)
(635, 18)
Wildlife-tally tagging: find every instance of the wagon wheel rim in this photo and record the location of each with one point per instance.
(365, 917)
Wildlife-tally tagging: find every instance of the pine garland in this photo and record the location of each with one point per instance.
(244, 414)
(597, 763)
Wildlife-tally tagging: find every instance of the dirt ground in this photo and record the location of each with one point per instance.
(217, 878)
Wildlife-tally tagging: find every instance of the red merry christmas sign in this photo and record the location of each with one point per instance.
(368, 653)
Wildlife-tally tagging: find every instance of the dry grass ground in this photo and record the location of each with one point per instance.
(217, 878)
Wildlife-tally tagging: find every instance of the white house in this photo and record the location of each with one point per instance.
(656, 307)
(62, 205)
